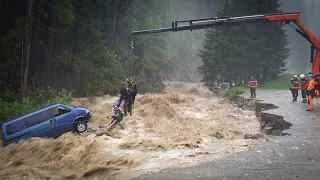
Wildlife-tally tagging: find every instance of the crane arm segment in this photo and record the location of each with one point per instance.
(226, 21)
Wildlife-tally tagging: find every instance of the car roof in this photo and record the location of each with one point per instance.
(35, 111)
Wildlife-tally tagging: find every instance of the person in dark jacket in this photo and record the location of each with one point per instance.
(303, 88)
(295, 86)
(132, 92)
(124, 92)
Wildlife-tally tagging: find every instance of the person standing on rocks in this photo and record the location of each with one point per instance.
(253, 84)
(132, 92)
(124, 96)
(295, 86)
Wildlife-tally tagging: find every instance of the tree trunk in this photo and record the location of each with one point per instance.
(22, 65)
(50, 47)
(75, 38)
(28, 41)
(114, 25)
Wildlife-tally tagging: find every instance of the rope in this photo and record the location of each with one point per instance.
(131, 60)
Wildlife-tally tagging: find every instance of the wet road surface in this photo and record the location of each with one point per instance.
(294, 156)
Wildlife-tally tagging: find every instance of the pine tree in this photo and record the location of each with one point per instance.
(237, 52)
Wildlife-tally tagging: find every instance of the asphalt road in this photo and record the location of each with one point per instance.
(294, 156)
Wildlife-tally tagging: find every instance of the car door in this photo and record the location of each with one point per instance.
(64, 118)
(43, 124)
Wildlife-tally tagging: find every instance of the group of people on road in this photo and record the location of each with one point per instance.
(308, 86)
(128, 93)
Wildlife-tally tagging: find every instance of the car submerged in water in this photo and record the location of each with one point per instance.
(48, 122)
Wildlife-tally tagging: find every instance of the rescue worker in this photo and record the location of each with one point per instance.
(124, 92)
(253, 84)
(311, 91)
(132, 92)
(303, 88)
(126, 100)
(295, 88)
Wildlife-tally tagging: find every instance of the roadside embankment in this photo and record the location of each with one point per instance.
(269, 123)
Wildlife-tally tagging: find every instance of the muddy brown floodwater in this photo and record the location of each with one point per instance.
(183, 126)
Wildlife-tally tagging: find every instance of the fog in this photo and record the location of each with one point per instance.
(299, 59)
(188, 43)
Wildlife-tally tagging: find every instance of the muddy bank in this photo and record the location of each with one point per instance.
(269, 123)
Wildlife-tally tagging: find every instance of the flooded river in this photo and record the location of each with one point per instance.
(183, 126)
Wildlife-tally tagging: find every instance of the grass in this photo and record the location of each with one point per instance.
(282, 83)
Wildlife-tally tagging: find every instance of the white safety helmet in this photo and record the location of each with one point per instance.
(295, 76)
(302, 76)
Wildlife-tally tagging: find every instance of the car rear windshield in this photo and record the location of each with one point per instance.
(15, 127)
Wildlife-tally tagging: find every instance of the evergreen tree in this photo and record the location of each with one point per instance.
(234, 53)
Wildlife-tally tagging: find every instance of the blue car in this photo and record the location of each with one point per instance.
(47, 122)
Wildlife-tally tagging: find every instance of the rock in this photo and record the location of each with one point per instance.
(251, 104)
(271, 122)
(103, 132)
(267, 129)
(253, 136)
(237, 110)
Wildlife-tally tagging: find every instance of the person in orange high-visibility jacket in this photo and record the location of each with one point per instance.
(311, 91)
(295, 86)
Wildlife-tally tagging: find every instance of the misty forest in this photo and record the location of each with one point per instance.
(55, 50)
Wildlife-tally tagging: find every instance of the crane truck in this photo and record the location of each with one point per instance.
(287, 18)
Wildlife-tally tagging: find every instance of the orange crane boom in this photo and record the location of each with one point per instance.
(266, 18)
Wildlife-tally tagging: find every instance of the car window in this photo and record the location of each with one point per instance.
(39, 118)
(15, 127)
(59, 110)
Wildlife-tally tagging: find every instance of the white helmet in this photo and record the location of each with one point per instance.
(302, 76)
(295, 76)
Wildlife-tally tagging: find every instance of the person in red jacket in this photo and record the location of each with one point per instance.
(253, 84)
(295, 86)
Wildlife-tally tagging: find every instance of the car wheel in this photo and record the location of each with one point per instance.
(80, 127)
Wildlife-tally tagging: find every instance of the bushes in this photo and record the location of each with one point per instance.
(9, 110)
(11, 107)
(42, 96)
(234, 91)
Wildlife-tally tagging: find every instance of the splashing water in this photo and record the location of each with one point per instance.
(182, 126)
